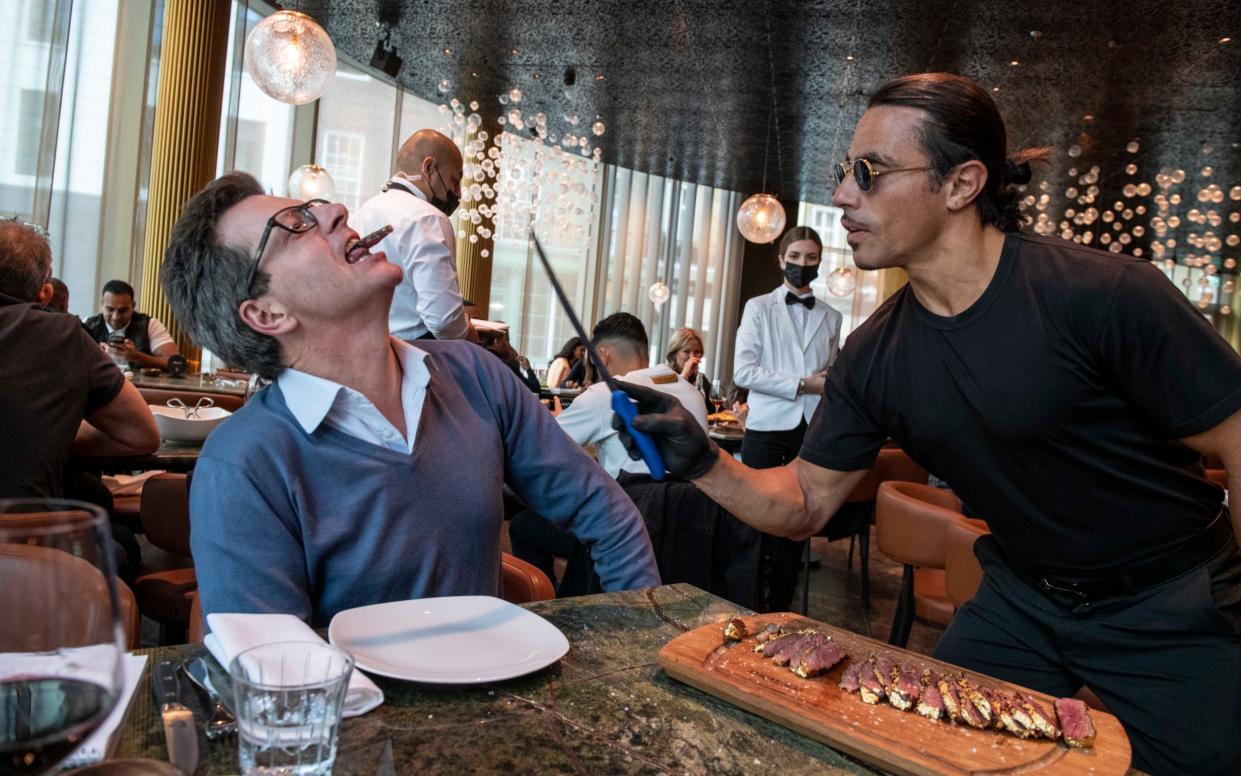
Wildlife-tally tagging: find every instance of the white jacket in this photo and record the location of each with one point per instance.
(771, 358)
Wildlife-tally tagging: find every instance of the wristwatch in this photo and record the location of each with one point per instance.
(801, 385)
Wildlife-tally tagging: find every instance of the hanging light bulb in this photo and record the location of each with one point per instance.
(659, 293)
(312, 181)
(761, 218)
(290, 57)
(841, 281)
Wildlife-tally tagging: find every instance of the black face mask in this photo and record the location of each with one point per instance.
(449, 202)
(800, 276)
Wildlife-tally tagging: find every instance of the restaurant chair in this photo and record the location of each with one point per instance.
(911, 528)
(1218, 476)
(520, 583)
(962, 571)
(167, 576)
(26, 578)
(160, 396)
(857, 514)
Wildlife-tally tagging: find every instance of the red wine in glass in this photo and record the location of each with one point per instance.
(44, 718)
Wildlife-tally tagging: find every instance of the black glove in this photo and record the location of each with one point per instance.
(687, 450)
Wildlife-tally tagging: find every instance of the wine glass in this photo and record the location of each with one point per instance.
(61, 641)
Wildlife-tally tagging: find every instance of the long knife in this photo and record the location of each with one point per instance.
(180, 734)
(622, 405)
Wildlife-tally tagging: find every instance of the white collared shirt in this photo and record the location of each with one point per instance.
(424, 245)
(800, 311)
(315, 400)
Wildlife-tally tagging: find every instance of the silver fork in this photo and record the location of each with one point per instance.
(222, 722)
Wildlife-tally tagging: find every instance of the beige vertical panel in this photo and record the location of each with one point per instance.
(186, 133)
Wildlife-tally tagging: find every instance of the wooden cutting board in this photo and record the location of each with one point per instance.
(898, 741)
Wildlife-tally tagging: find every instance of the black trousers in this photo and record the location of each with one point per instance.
(1166, 660)
(780, 565)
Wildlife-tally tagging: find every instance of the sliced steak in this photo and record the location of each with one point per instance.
(975, 708)
(1075, 724)
(735, 630)
(869, 686)
(780, 649)
(791, 657)
(930, 704)
(849, 679)
(771, 631)
(1044, 721)
(951, 700)
(1012, 718)
(883, 672)
(817, 658)
(906, 687)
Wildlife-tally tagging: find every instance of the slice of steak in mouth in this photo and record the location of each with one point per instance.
(849, 679)
(930, 704)
(1044, 721)
(817, 659)
(1075, 724)
(906, 687)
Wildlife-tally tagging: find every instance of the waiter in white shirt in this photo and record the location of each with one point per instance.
(417, 201)
(785, 344)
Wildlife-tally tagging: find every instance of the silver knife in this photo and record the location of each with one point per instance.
(180, 734)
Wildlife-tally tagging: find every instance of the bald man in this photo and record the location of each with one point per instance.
(417, 201)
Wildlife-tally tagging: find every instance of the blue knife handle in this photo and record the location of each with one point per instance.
(622, 405)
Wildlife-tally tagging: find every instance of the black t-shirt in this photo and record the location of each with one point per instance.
(1052, 406)
(52, 374)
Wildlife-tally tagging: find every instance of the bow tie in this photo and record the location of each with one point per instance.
(791, 298)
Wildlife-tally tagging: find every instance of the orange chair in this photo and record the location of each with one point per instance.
(27, 577)
(912, 527)
(1218, 476)
(520, 583)
(167, 576)
(891, 464)
(962, 572)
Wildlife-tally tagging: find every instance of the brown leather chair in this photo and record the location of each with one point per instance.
(167, 576)
(892, 463)
(911, 528)
(1218, 476)
(520, 583)
(161, 396)
(26, 577)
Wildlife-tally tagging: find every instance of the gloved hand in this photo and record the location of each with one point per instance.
(687, 450)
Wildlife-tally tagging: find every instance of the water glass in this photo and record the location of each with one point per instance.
(289, 697)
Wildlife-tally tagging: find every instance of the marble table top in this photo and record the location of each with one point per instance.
(606, 707)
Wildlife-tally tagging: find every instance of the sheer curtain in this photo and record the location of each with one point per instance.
(685, 235)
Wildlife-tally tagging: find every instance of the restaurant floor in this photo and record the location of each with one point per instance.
(835, 596)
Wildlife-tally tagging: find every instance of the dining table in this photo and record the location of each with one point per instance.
(179, 457)
(605, 707)
(193, 383)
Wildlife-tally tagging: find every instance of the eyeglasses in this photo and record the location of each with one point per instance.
(865, 173)
(294, 220)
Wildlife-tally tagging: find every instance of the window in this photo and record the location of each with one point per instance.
(357, 120)
(342, 155)
(39, 21)
(30, 122)
(855, 306)
(251, 136)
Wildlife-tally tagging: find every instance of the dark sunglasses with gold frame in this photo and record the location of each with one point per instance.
(864, 172)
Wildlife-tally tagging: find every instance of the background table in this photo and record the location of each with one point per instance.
(605, 708)
(177, 457)
(197, 383)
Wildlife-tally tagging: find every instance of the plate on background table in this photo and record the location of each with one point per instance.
(453, 640)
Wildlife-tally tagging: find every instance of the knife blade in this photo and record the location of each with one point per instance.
(180, 734)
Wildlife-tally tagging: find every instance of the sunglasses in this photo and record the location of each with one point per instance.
(294, 220)
(864, 173)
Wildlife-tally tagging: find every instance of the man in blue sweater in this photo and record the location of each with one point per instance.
(371, 469)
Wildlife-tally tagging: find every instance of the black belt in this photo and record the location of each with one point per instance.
(1143, 575)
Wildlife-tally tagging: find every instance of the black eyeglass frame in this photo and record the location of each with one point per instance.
(864, 172)
(308, 219)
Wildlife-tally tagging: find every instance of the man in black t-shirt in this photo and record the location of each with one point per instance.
(1067, 394)
(45, 400)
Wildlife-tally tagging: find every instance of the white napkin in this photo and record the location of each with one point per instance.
(128, 484)
(99, 744)
(232, 634)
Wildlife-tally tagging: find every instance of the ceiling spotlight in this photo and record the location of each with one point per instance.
(1014, 63)
(1088, 117)
(448, 52)
(599, 77)
(995, 88)
(849, 57)
(1225, 40)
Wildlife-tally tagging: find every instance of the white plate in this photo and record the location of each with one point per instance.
(453, 640)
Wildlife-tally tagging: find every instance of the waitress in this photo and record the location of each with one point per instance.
(786, 343)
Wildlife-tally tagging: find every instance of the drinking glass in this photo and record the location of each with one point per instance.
(289, 697)
(61, 640)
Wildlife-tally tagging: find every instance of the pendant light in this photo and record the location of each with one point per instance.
(312, 181)
(290, 57)
(761, 217)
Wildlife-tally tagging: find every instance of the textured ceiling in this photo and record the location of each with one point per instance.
(686, 87)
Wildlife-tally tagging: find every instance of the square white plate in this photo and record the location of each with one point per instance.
(452, 640)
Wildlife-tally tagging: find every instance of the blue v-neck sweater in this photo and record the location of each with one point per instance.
(311, 524)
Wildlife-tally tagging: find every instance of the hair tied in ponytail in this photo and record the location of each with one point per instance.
(1016, 173)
